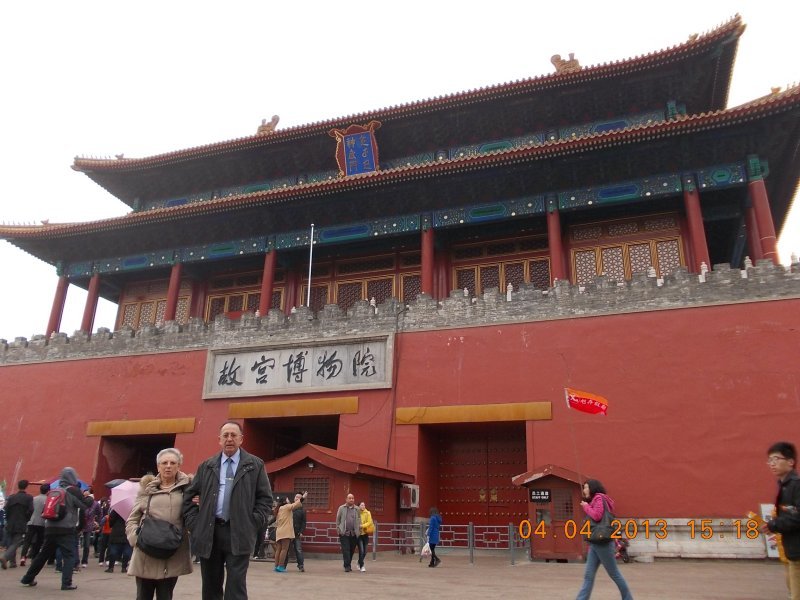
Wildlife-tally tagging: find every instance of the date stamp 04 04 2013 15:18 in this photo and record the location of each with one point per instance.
(631, 529)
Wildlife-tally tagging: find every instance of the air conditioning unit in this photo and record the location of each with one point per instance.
(409, 495)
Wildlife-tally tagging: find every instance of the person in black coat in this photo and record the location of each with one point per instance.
(118, 546)
(19, 508)
(227, 502)
(782, 461)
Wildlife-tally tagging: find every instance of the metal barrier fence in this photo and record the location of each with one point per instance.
(409, 538)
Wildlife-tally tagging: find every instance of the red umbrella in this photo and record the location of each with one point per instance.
(123, 497)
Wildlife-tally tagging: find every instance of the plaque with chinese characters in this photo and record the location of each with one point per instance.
(298, 368)
(356, 148)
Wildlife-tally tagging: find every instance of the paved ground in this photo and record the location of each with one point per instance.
(492, 577)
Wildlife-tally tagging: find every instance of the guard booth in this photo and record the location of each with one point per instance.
(555, 514)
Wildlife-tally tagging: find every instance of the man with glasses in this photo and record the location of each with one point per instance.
(224, 507)
(782, 461)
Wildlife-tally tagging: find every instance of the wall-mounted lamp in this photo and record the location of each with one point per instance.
(311, 465)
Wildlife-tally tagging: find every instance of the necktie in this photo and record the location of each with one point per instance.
(226, 498)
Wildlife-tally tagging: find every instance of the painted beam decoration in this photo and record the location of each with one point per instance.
(356, 148)
(339, 364)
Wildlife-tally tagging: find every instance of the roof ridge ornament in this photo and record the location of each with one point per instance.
(570, 65)
(268, 128)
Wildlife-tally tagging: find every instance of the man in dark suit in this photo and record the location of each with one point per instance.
(223, 508)
(19, 508)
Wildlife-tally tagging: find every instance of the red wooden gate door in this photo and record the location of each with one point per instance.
(475, 470)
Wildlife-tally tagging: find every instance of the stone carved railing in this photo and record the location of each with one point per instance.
(723, 285)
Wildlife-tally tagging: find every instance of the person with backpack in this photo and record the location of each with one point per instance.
(62, 513)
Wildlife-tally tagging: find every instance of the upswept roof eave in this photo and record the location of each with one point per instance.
(759, 108)
(336, 460)
(731, 28)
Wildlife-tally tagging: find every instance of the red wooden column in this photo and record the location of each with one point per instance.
(54, 324)
(694, 217)
(91, 304)
(753, 238)
(267, 283)
(764, 223)
(557, 269)
(441, 281)
(426, 280)
(172, 292)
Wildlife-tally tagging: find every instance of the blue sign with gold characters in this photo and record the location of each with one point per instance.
(356, 149)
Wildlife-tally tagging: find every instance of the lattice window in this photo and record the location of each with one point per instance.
(129, 313)
(660, 223)
(465, 278)
(613, 263)
(347, 294)
(376, 496)
(514, 274)
(277, 299)
(253, 300)
(540, 273)
(147, 313)
(182, 311)
(563, 509)
(669, 256)
(490, 277)
(216, 306)
(380, 289)
(319, 297)
(641, 259)
(585, 266)
(161, 309)
(592, 232)
(617, 229)
(235, 303)
(411, 288)
(318, 488)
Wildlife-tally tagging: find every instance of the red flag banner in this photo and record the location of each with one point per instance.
(586, 402)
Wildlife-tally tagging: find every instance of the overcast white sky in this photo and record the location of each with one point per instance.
(96, 78)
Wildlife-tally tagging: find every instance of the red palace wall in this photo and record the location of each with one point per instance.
(695, 397)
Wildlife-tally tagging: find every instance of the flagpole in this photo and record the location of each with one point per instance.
(574, 441)
(310, 257)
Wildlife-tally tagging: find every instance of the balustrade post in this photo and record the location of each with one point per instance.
(471, 542)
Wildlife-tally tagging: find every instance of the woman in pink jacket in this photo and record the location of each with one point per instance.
(595, 504)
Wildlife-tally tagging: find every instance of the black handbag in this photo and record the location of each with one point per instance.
(601, 530)
(156, 537)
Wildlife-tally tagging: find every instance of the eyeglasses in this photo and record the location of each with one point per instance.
(773, 460)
